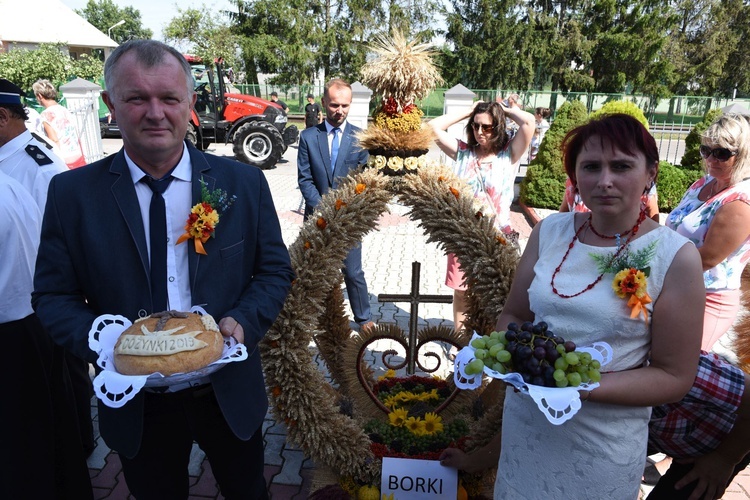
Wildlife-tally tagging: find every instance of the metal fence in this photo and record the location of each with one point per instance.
(683, 111)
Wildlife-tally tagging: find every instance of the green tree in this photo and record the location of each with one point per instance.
(544, 183)
(735, 76)
(23, 67)
(629, 38)
(207, 34)
(105, 14)
(488, 45)
(624, 107)
(701, 44)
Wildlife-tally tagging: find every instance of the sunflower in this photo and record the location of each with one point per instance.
(415, 425)
(398, 417)
(629, 282)
(433, 423)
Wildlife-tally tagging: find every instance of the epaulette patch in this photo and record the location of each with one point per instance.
(40, 158)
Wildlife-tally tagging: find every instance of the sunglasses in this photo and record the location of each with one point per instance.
(485, 128)
(721, 154)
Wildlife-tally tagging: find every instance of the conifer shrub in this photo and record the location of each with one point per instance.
(672, 184)
(544, 183)
(621, 107)
(691, 160)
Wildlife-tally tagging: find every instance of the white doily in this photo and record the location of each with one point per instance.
(115, 389)
(558, 404)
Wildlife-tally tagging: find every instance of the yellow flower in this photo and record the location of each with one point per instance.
(415, 425)
(391, 401)
(432, 423)
(628, 282)
(388, 374)
(398, 417)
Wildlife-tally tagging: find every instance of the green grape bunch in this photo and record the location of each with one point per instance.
(537, 354)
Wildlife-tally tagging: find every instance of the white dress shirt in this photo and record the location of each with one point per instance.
(178, 199)
(20, 226)
(18, 164)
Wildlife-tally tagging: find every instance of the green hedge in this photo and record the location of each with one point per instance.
(672, 184)
(691, 160)
(544, 183)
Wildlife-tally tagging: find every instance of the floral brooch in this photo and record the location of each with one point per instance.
(204, 216)
(631, 270)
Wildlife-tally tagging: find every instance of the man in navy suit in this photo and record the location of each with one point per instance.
(97, 256)
(328, 152)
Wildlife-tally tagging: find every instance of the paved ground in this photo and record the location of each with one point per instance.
(387, 258)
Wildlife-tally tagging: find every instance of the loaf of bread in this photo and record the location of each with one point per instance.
(168, 342)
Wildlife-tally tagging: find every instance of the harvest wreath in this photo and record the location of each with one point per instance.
(327, 423)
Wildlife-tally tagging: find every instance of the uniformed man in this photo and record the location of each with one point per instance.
(43, 456)
(22, 157)
(31, 164)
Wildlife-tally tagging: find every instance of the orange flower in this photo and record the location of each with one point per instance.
(340, 204)
(321, 223)
(479, 214)
(501, 240)
(359, 188)
(454, 191)
(276, 391)
(441, 178)
(308, 245)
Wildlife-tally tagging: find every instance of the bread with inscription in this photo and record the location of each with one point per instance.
(169, 342)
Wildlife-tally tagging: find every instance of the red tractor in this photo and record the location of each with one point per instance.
(256, 127)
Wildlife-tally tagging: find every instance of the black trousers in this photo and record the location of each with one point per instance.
(41, 454)
(172, 421)
(664, 489)
(83, 391)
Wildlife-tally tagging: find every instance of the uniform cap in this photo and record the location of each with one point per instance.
(10, 93)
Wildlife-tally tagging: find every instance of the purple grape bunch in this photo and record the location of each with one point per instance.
(537, 354)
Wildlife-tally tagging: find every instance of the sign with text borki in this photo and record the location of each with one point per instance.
(410, 479)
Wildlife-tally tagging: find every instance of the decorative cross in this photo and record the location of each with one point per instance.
(415, 299)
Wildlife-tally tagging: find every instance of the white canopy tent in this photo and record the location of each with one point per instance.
(48, 22)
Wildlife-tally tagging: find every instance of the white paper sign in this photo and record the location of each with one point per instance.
(410, 479)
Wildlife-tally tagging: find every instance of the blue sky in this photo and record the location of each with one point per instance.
(155, 14)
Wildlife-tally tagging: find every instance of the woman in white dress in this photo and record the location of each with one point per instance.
(610, 275)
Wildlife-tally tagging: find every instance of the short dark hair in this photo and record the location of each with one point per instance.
(622, 131)
(274, 94)
(499, 139)
(149, 54)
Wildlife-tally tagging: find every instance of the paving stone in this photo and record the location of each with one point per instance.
(274, 448)
(197, 456)
(290, 470)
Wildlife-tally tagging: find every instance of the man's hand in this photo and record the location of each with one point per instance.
(230, 328)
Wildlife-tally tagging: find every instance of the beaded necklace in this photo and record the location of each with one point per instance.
(620, 249)
(603, 236)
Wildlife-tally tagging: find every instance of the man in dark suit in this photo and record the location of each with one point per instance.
(100, 243)
(330, 143)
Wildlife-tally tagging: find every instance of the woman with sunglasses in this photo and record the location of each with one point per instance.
(719, 227)
(485, 161)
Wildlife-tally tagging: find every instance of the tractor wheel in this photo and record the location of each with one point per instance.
(259, 144)
(192, 137)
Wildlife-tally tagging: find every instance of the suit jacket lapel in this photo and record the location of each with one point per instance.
(200, 167)
(324, 152)
(123, 191)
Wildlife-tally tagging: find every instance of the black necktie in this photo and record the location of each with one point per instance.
(157, 216)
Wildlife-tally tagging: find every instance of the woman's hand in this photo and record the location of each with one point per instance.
(712, 472)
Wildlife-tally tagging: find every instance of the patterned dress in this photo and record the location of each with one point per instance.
(601, 451)
(692, 218)
(492, 182)
(60, 119)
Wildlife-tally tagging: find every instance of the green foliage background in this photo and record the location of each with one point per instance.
(23, 67)
(544, 183)
(691, 159)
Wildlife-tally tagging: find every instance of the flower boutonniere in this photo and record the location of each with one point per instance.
(205, 216)
(631, 270)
